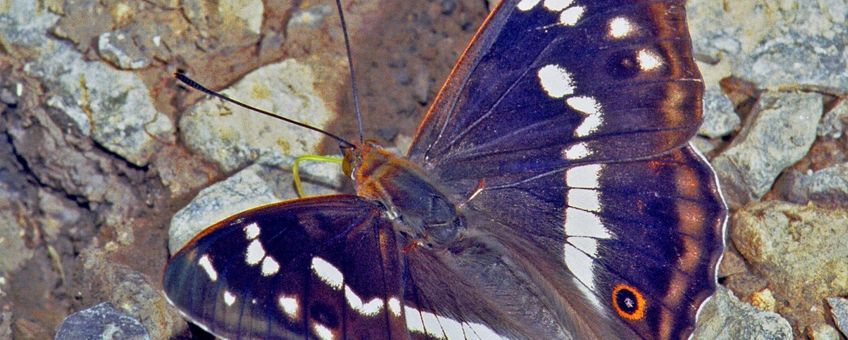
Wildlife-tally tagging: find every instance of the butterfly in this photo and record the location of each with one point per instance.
(550, 192)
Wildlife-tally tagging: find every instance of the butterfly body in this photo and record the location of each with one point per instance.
(550, 192)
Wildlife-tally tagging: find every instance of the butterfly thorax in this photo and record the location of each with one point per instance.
(413, 201)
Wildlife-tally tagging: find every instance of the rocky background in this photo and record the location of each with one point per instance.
(102, 152)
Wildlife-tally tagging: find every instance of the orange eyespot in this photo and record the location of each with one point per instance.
(628, 302)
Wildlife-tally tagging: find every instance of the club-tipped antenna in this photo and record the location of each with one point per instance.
(353, 86)
(188, 81)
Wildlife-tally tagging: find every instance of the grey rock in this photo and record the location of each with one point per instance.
(131, 291)
(25, 23)
(724, 317)
(111, 106)
(310, 17)
(234, 137)
(799, 249)
(13, 249)
(720, 118)
(834, 121)
(782, 129)
(262, 183)
(795, 58)
(839, 310)
(822, 331)
(828, 186)
(102, 321)
(5, 325)
(237, 15)
(120, 49)
(774, 44)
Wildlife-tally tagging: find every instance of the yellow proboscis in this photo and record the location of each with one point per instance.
(298, 185)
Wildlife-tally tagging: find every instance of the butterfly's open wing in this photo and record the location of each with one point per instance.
(547, 84)
(563, 130)
(328, 268)
(322, 268)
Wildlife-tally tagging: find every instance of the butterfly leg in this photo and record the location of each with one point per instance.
(298, 185)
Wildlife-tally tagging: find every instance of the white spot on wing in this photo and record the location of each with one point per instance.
(254, 253)
(585, 199)
(587, 105)
(481, 331)
(557, 5)
(526, 5)
(586, 244)
(269, 266)
(571, 16)
(577, 151)
(289, 305)
(584, 176)
(589, 126)
(251, 231)
(394, 306)
(413, 319)
(648, 60)
(620, 27)
(206, 264)
(368, 309)
(229, 298)
(580, 265)
(556, 81)
(327, 272)
(432, 326)
(322, 331)
(584, 223)
(452, 328)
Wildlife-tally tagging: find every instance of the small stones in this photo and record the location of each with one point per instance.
(102, 321)
(724, 317)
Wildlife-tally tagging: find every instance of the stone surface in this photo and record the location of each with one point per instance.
(839, 311)
(233, 137)
(781, 131)
(724, 317)
(834, 121)
(259, 184)
(122, 50)
(720, 119)
(828, 186)
(774, 43)
(822, 331)
(130, 291)
(102, 321)
(113, 107)
(800, 250)
(14, 249)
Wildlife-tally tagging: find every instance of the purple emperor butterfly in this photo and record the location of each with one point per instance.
(549, 193)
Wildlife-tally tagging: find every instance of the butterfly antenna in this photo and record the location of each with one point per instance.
(353, 86)
(188, 81)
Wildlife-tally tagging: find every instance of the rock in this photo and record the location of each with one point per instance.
(259, 184)
(122, 50)
(776, 44)
(13, 249)
(781, 131)
(822, 331)
(799, 250)
(720, 119)
(102, 321)
(5, 325)
(724, 317)
(839, 311)
(233, 137)
(834, 121)
(233, 15)
(131, 292)
(113, 107)
(828, 186)
(763, 300)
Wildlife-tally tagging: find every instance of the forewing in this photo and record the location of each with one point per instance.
(547, 84)
(321, 268)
